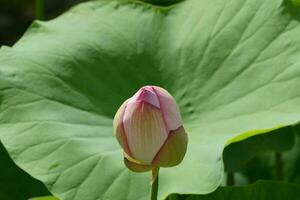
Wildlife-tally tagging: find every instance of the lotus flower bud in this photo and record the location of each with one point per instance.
(149, 128)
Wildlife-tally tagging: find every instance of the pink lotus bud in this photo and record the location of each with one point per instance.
(149, 128)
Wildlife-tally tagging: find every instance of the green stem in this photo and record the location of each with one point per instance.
(230, 179)
(279, 166)
(39, 9)
(154, 188)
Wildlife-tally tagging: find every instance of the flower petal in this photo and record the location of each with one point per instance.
(136, 167)
(148, 95)
(174, 149)
(145, 130)
(119, 128)
(168, 108)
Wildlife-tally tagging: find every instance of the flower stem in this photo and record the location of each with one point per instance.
(154, 186)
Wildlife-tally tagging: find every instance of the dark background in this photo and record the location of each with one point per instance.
(17, 15)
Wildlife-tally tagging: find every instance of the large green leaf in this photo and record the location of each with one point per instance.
(260, 190)
(233, 66)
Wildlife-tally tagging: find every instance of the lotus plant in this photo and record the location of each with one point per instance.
(149, 128)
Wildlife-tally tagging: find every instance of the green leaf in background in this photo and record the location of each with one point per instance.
(233, 67)
(262, 166)
(236, 155)
(260, 190)
(291, 161)
(15, 184)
